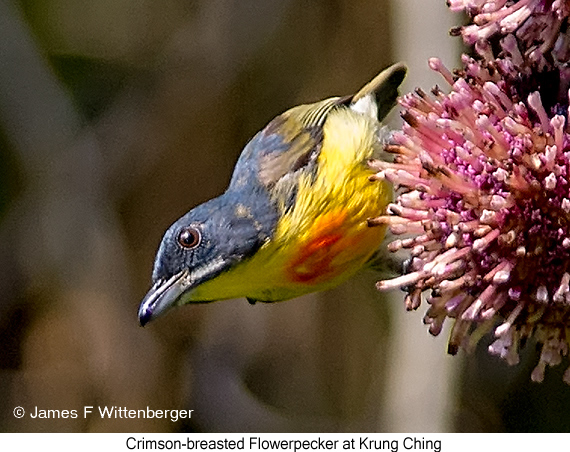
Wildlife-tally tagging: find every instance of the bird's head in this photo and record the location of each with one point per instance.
(208, 240)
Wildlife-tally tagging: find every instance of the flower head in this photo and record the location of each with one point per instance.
(485, 201)
(542, 39)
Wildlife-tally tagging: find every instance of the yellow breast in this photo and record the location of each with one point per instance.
(326, 236)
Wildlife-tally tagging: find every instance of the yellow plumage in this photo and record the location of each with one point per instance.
(333, 207)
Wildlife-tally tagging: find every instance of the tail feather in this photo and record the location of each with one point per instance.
(379, 96)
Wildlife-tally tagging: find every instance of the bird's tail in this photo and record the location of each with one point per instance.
(379, 95)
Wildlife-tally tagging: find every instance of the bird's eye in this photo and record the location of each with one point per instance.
(189, 237)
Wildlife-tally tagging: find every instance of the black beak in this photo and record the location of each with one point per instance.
(162, 296)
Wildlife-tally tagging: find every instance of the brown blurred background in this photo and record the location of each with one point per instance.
(116, 117)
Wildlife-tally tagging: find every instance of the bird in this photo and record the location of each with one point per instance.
(294, 218)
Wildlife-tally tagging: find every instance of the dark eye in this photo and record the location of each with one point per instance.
(189, 237)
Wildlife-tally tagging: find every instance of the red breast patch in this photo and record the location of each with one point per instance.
(313, 261)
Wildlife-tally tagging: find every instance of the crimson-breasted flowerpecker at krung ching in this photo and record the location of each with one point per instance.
(294, 217)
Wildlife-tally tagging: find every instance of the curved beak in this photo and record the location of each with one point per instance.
(163, 295)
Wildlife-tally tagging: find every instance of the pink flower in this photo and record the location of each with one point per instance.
(540, 26)
(484, 206)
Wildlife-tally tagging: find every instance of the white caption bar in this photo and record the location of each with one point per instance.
(277, 442)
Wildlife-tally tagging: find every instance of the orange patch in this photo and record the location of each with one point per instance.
(313, 261)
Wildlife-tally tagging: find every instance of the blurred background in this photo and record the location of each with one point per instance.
(118, 116)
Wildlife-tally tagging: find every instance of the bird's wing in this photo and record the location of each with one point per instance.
(290, 144)
(301, 132)
(301, 128)
(382, 89)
